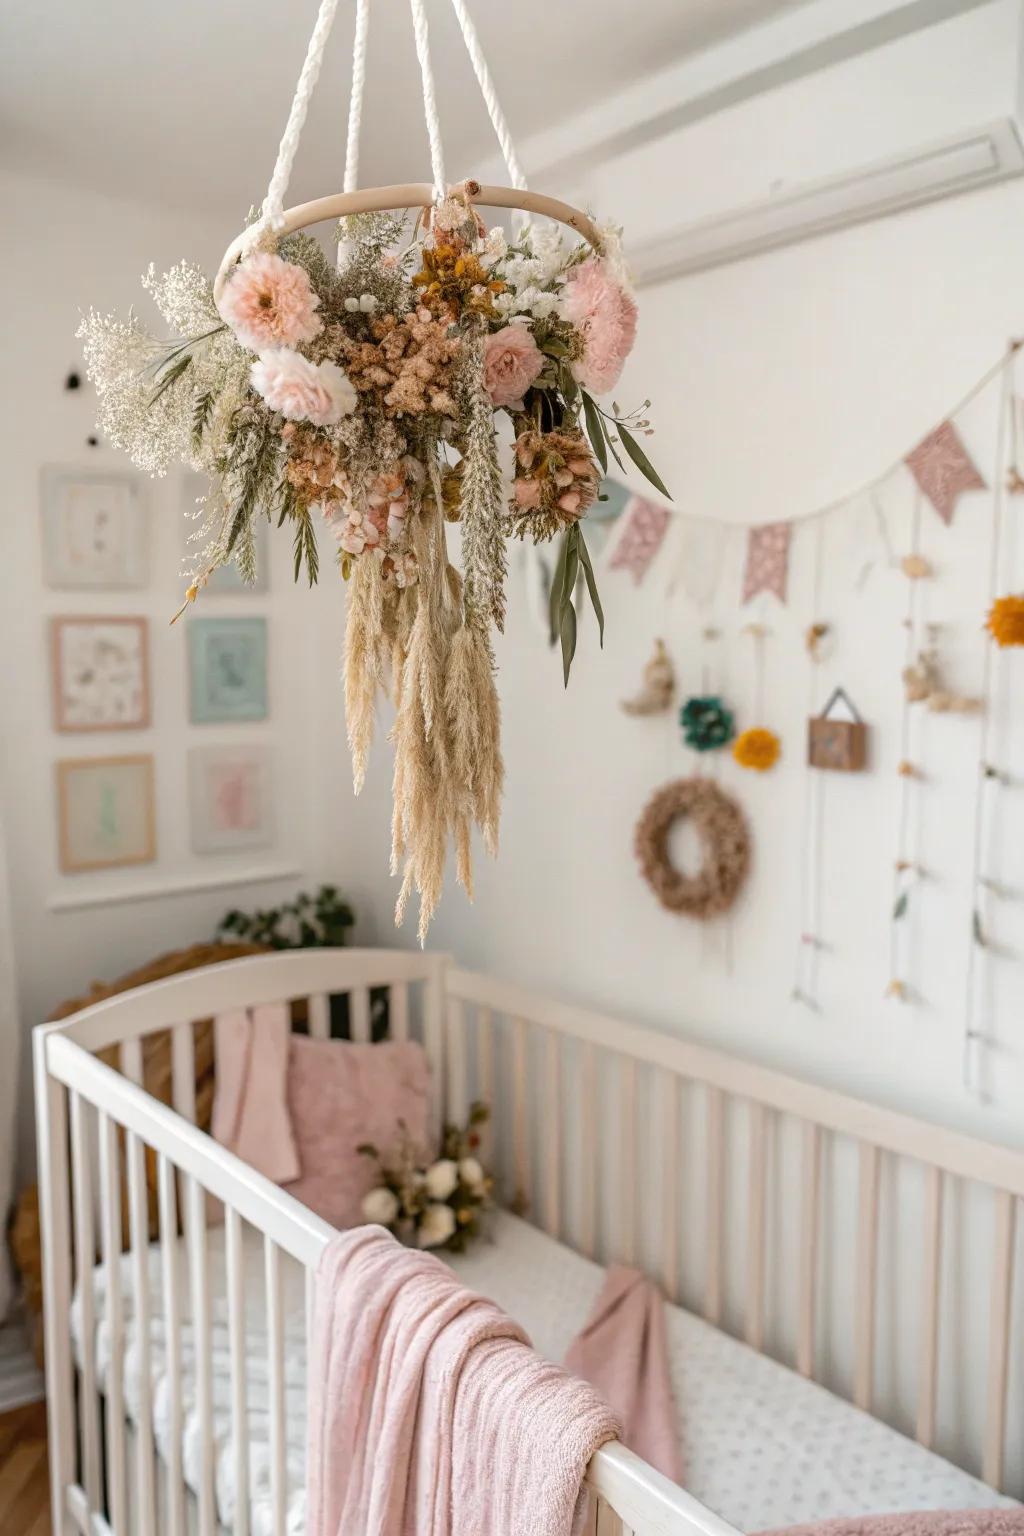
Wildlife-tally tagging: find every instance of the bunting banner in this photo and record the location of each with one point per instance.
(944, 469)
(767, 565)
(698, 569)
(644, 525)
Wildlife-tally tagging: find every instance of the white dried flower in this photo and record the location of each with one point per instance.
(184, 297)
(471, 1173)
(380, 1206)
(442, 1178)
(437, 1226)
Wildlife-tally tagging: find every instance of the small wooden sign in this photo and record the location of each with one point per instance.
(838, 737)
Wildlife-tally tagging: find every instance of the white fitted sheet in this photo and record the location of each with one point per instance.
(761, 1446)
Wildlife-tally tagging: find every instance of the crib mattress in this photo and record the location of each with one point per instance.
(761, 1445)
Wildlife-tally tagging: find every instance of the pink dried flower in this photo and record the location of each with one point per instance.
(301, 390)
(512, 360)
(605, 314)
(270, 303)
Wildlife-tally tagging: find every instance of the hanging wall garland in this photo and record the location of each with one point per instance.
(364, 398)
(725, 840)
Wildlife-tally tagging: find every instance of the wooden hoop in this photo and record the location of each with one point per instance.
(411, 195)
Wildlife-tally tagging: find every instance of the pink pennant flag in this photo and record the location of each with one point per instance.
(944, 469)
(644, 525)
(767, 567)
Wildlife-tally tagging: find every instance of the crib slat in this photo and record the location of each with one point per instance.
(310, 1289)
(931, 1276)
(485, 1079)
(85, 1259)
(172, 1341)
(433, 1041)
(130, 1052)
(608, 1522)
(398, 1013)
(671, 1088)
(520, 1110)
(183, 1071)
(867, 1276)
(138, 1210)
(110, 1216)
(553, 1134)
(715, 1181)
(758, 1149)
(626, 1201)
(810, 1238)
(359, 1015)
(999, 1338)
(455, 1047)
(275, 1364)
(588, 1150)
(234, 1254)
(201, 1344)
(318, 1016)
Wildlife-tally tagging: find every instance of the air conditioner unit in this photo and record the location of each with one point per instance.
(959, 164)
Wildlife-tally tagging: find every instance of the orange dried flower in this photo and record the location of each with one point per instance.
(757, 748)
(1005, 621)
(556, 481)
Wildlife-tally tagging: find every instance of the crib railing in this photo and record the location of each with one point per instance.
(580, 1130)
(98, 1130)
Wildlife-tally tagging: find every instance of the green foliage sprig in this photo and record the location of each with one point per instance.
(318, 921)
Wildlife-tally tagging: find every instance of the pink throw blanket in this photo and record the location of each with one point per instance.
(250, 1103)
(429, 1413)
(622, 1350)
(918, 1522)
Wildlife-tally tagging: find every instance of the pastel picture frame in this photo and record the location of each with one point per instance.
(100, 672)
(95, 529)
(230, 798)
(227, 670)
(106, 812)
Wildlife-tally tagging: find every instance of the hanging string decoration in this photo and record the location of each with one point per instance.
(767, 563)
(757, 748)
(944, 469)
(838, 737)
(659, 685)
(707, 723)
(722, 829)
(362, 398)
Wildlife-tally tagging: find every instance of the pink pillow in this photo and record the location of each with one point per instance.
(341, 1095)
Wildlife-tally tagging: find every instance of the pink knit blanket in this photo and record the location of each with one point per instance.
(429, 1412)
(622, 1350)
(918, 1522)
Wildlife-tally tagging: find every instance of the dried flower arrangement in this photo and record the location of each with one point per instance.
(439, 1204)
(366, 396)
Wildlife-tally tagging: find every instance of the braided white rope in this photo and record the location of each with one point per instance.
(419, 26)
(355, 106)
(273, 203)
(490, 95)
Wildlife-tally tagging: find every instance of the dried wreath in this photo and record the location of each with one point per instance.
(367, 394)
(722, 829)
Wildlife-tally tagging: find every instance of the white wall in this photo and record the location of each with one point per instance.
(66, 251)
(778, 384)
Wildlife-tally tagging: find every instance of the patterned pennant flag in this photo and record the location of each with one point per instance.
(701, 553)
(944, 469)
(644, 525)
(767, 567)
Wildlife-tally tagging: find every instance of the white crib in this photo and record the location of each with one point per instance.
(582, 1104)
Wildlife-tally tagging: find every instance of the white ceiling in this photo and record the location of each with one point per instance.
(183, 101)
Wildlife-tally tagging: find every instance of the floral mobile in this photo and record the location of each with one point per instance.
(439, 1204)
(367, 398)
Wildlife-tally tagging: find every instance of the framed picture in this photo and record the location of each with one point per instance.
(95, 531)
(226, 578)
(105, 812)
(230, 798)
(227, 670)
(100, 674)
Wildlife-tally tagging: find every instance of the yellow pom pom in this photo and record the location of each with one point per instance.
(1006, 620)
(757, 748)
